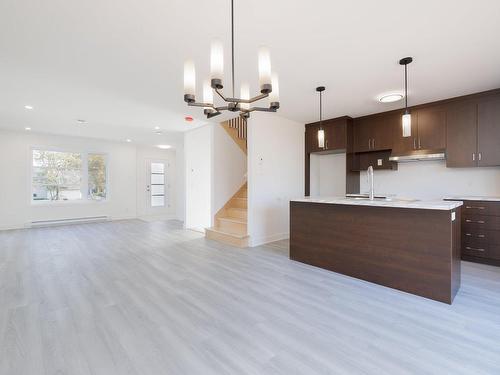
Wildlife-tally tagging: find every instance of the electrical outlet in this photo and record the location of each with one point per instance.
(379, 162)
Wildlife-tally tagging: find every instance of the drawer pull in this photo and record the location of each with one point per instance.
(478, 236)
(472, 221)
(473, 248)
(475, 207)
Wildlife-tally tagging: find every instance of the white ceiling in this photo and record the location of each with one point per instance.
(118, 64)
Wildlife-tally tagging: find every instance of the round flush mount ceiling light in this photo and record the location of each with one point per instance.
(164, 147)
(28, 107)
(390, 98)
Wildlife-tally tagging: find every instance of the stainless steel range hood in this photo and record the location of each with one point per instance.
(419, 155)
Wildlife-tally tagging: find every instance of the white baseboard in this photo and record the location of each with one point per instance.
(267, 239)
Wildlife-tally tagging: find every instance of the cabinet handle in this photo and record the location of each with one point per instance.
(419, 145)
(472, 221)
(473, 248)
(479, 156)
(475, 207)
(481, 236)
(414, 143)
(373, 143)
(326, 144)
(369, 144)
(473, 156)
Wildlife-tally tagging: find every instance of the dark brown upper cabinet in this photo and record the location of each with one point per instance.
(488, 132)
(335, 136)
(461, 135)
(473, 133)
(373, 133)
(431, 128)
(428, 131)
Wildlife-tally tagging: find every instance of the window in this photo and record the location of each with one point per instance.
(68, 176)
(96, 177)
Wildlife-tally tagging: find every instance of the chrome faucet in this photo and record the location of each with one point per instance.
(369, 172)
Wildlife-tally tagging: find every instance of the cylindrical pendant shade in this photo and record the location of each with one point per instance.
(274, 96)
(264, 66)
(406, 123)
(245, 94)
(217, 60)
(189, 78)
(321, 138)
(208, 94)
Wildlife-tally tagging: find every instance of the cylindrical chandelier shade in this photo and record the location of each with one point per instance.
(217, 63)
(321, 131)
(189, 81)
(264, 70)
(274, 96)
(208, 95)
(245, 94)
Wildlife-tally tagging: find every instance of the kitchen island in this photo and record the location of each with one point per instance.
(413, 246)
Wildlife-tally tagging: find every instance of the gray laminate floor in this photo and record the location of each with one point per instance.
(135, 297)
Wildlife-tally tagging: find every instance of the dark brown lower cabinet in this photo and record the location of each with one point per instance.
(481, 232)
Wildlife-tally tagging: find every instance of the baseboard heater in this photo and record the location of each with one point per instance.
(77, 220)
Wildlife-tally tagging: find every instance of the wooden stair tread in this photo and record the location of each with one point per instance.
(235, 235)
(233, 219)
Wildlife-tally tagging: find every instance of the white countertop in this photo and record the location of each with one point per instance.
(474, 198)
(393, 202)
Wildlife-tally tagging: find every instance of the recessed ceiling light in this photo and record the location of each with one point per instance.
(159, 133)
(28, 107)
(164, 147)
(389, 98)
(128, 140)
(80, 121)
(27, 128)
(157, 128)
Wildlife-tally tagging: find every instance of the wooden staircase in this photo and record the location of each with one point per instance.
(230, 222)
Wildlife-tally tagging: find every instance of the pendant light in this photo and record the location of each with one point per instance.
(321, 131)
(406, 119)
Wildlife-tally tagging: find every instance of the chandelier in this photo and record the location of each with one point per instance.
(268, 83)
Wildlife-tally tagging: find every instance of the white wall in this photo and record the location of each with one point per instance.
(16, 208)
(198, 162)
(275, 174)
(432, 180)
(124, 160)
(229, 168)
(328, 175)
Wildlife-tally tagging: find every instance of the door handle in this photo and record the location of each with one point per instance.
(148, 188)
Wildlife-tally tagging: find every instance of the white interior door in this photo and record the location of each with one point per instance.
(157, 187)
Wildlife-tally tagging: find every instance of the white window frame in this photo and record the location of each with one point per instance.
(84, 187)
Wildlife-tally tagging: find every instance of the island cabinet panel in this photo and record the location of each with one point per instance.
(488, 133)
(461, 135)
(413, 250)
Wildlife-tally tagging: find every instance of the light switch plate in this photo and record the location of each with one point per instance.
(453, 216)
(379, 162)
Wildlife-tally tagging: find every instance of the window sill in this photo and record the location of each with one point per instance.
(68, 203)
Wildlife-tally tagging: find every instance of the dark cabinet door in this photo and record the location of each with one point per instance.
(362, 135)
(312, 139)
(488, 133)
(382, 128)
(461, 135)
(404, 145)
(335, 135)
(431, 123)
